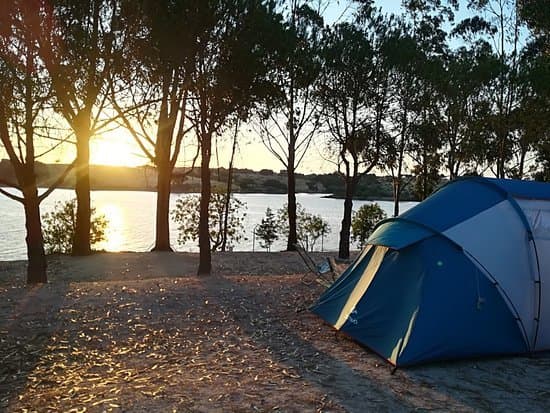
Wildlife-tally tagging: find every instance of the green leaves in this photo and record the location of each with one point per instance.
(364, 221)
(309, 227)
(60, 225)
(267, 230)
(186, 216)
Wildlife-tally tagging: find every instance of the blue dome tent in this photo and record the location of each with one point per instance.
(466, 273)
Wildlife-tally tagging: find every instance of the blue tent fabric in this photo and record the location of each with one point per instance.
(337, 294)
(377, 322)
(446, 207)
(398, 234)
(463, 306)
(521, 189)
(429, 299)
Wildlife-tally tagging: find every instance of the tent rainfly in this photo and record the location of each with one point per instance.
(466, 273)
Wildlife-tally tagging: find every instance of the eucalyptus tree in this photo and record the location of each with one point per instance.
(150, 93)
(238, 45)
(78, 43)
(535, 74)
(404, 57)
(536, 14)
(417, 47)
(353, 96)
(287, 125)
(464, 102)
(27, 119)
(532, 117)
(498, 22)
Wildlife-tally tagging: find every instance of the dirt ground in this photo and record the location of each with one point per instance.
(139, 332)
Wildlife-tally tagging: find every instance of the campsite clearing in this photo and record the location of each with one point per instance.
(139, 332)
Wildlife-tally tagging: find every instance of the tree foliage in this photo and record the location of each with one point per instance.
(288, 122)
(364, 222)
(267, 230)
(353, 96)
(186, 216)
(309, 227)
(29, 128)
(238, 44)
(60, 228)
(80, 41)
(150, 93)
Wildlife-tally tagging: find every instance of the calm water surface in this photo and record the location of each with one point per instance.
(131, 216)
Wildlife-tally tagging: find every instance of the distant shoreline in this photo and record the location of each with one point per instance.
(182, 191)
(245, 181)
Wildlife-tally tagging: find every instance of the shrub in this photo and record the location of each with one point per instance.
(309, 227)
(59, 227)
(364, 221)
(186, 216)
(266, 231)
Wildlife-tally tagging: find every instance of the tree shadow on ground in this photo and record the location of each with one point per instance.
(350, 388)
(28, 318)
(512, 383)
(220, 343)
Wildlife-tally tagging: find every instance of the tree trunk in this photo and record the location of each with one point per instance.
(398, 179)
(36, 268)
(396, 195)
(292, 226)
(228, 192)
(344, 244)
(522, 163)
(81, 242)
(162, 228)
(205, 259)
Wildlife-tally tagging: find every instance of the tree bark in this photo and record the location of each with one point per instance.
(292, 225)
(81, 242)
(162, 228)
(228, 192)
(345, 230)
(36, 268)
(396, 194)
(164, 176)
(205, 255)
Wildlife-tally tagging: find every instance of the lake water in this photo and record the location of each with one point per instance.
(131, 216)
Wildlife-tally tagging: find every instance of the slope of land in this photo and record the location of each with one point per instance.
(245, 180)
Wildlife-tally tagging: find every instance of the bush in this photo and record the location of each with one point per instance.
(267, 230)
(364, 221)
(309, 227)
(59, 227)
(186, 215)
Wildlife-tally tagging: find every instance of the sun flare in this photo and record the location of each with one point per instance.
(115, 149)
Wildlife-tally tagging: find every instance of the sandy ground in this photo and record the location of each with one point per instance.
(139, 332)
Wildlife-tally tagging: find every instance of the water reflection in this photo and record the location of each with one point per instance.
(131, 216)
(114, 238)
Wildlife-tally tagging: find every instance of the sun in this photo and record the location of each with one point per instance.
(115, 148)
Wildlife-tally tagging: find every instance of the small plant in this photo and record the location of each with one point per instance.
(315, 227)
(186, 216)
(364, 221)
(309, 227)
(59, 227)
(267, 230)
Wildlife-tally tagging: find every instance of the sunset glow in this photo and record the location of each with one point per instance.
(115, 149)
